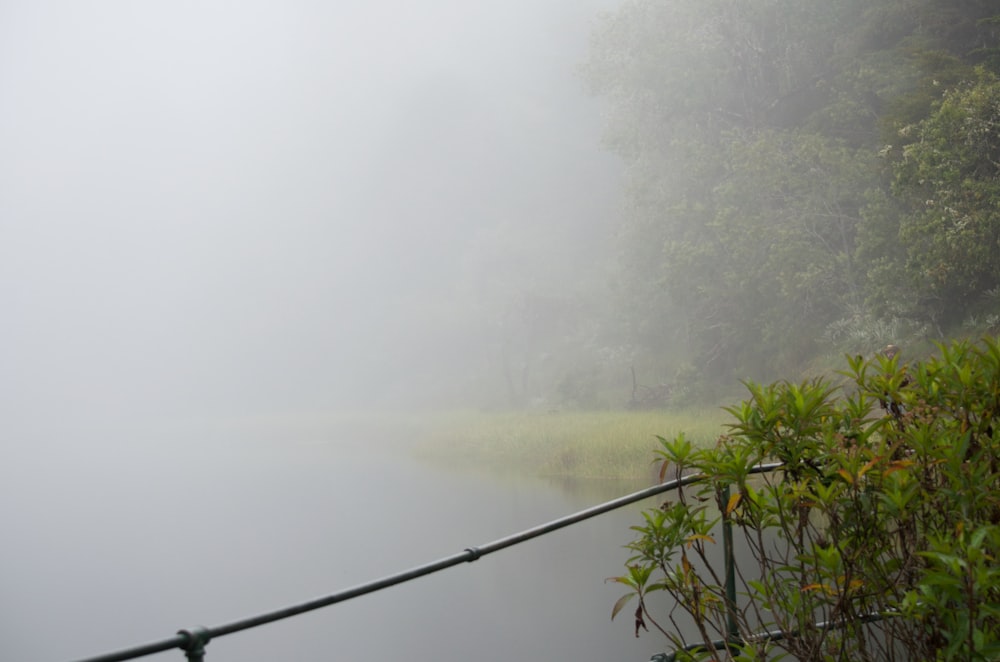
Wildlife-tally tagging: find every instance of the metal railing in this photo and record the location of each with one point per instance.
(194, 640)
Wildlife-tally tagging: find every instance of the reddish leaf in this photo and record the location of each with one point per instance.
(699, 536)
(620, 604)
(639, 622)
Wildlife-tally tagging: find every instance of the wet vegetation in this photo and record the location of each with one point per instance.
(803, 179)
(809, 180)
(876, 541)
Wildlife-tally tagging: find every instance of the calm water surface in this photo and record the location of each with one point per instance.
(124, 538)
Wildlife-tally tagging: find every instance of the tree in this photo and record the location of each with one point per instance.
(757, 212)
(947, 226)
(785, 218)
(697, 91)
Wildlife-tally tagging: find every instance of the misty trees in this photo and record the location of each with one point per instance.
(536, 299)
(746, 224)
(785, 216)
(948, 182)
(763, 204)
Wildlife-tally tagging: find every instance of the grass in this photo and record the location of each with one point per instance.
(599, 445)
(604, 444)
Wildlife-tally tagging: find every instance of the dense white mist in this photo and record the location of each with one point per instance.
(221, 220)
(226, 207)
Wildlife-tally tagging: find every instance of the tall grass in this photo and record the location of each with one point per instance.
(605, 444)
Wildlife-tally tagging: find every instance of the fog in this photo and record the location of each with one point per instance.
(221, 209)
(222, 212)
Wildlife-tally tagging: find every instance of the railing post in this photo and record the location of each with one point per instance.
(196, 640)
(727, 549)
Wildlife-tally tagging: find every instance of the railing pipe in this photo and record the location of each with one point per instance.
(768, 635)
(193, 640)
(732, 629)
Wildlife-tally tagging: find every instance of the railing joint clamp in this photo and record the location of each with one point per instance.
(196, 639)
(476, 553)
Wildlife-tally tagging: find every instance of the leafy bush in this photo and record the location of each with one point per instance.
(877, 539)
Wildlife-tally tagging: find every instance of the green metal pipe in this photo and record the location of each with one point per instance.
(732, 628)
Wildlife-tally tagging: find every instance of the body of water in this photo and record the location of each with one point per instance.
(122, 539)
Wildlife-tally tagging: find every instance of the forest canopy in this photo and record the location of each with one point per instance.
(802, 176)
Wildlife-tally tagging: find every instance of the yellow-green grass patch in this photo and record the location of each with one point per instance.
(604, 444)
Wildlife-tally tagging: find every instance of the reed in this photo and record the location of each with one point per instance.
(583, 444)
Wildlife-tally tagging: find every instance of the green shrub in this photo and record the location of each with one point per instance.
(876, 540)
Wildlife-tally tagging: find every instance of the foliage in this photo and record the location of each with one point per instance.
(876, 540)
(791, 164)
(951, 176)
